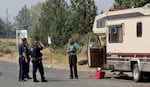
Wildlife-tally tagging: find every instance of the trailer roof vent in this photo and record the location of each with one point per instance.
(147, 6)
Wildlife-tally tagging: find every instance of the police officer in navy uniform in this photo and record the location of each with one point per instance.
(22, 59)
(37, 60)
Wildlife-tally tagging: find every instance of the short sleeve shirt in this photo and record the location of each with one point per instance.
(35, 51)
(22, 48)
(74, 47)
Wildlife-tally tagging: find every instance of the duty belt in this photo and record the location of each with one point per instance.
(20, 55)
(39, 58)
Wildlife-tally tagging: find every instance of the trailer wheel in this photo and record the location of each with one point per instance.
(136, 73)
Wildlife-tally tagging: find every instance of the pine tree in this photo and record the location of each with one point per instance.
(130, 3)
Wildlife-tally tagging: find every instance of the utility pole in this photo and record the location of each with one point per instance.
(7, 23)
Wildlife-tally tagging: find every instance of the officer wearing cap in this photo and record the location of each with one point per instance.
(22, 59)
(37, 60)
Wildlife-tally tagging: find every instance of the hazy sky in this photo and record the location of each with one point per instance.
(14, 6)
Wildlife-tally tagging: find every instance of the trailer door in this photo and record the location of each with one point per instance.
(95, 52)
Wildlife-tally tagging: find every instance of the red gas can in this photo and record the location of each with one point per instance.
(99, 74)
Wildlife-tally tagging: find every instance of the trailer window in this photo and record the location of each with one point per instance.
(139, 29)
(115, 34)
(100, 23)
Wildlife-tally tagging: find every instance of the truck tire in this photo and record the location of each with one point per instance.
(137, 75)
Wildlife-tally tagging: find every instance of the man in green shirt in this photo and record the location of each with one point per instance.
(72, 50)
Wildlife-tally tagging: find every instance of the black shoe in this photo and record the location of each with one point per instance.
(76, 77)
(22, 80)
(35, 80)
(29, 78)
(44, 80)
(71, 77)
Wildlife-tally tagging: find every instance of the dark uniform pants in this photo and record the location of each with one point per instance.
(37, 64)
(73, 65)
(21, 68)
(27, 67)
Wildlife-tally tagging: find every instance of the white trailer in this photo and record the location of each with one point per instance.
(122, 41)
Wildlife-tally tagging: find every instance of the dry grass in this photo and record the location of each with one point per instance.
(7, 47)
(10, 42)
(55, 57)
(58, 57)
(8, 50)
